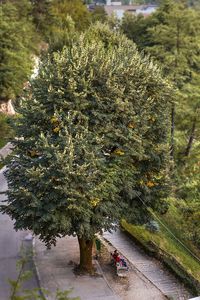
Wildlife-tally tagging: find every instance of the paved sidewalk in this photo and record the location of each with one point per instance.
(11, 245)
(7, 149)
(55, 269)
(151, 268)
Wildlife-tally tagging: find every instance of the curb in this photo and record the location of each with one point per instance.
(9, 145)
(2, 169)
(6, 150)
(37, 270)
(106, 281)
(45, 297)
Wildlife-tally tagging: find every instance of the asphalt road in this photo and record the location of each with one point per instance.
(12, 245)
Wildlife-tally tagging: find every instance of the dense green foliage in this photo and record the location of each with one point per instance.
(5, 129)
(58, 11)
(90, 141)
(39, 12)
(17, 45)
(118, 106)
(25, 24)
(99, 15)
(171, 36)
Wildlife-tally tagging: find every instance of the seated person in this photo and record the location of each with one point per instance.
(123, 262)
(118, 259)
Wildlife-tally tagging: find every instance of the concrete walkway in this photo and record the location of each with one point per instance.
(12, 245)
(55, 269)
(6, 150)
(166, 282)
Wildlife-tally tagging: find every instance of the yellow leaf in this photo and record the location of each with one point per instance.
(118, 152)
(54, 119)
(150, 184)
(131, 125)
(33, 153)
(152, 119)
(94, 201)
(56, 129)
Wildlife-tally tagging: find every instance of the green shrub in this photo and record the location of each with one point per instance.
(152, 226)
(5, 129)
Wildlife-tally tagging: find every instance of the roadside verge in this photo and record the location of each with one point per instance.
(156, 245)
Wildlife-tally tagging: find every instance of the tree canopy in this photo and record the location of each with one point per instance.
(87, 141)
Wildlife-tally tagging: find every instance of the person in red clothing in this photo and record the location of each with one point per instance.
(118, 259)
(116, 256)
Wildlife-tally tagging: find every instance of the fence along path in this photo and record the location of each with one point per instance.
(151, 268)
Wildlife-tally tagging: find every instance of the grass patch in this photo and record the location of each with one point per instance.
(174, 220)
(165, 247)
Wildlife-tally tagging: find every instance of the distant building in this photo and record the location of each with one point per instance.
(109, 2)
(146, 10)
(116, 7)
(95, 3)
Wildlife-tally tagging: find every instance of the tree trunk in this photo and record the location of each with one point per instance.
(172, 131)
(85, 247)
(191, 138)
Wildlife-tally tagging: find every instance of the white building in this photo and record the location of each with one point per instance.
(116, 7)
(110, 2)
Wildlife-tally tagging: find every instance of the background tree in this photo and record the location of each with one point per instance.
(61, 33)
(63, 19)
(40, 14)
(90, 142)
(135, 27)
(99, 14)
(171, 36)
(17, 45)
(79, 13)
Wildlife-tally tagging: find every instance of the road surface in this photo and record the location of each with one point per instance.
(11, 243)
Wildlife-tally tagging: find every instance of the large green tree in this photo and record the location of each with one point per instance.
(92, 137)
(135, 27)
(17, 44)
